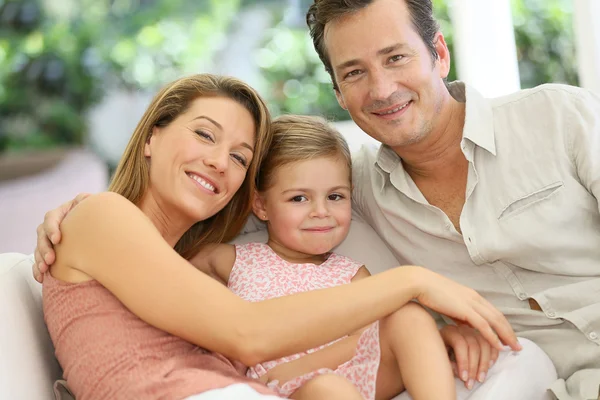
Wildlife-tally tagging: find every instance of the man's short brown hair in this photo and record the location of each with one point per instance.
(321, 12)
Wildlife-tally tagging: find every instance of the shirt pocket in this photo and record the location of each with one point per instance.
(530, 200)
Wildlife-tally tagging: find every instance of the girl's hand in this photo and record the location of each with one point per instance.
(465, 306)
(473, 355)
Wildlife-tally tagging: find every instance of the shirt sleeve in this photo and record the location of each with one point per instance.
(584, 134)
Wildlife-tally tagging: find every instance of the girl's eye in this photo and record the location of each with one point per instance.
(335, 197)
(205, 135)
(298, 199)
(240, 159)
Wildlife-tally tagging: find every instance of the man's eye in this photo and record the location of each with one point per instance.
(354, 72)
(395, 58)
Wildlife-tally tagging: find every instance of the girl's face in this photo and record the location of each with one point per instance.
(307, 208)
(200, 160)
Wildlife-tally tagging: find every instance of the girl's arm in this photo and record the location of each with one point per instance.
(109, 239)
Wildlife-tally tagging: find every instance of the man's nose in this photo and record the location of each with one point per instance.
(381, 84)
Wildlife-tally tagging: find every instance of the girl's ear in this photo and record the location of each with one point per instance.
(259, 207)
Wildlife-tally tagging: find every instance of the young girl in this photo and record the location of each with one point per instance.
(304, 193)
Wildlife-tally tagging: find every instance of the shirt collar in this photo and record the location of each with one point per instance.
(479, 124)
(479, 117)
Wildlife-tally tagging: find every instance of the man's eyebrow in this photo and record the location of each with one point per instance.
(218, 125)
(381, 52)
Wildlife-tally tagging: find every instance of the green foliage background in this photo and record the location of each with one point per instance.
(57, 62)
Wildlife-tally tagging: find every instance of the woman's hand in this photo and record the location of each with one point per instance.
(472, 356)
(465, 306)
(48, 235)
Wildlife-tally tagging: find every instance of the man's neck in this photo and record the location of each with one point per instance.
(438, 156)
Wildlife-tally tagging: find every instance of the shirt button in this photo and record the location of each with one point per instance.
(551, 314)
(593, 336)
(522, 296)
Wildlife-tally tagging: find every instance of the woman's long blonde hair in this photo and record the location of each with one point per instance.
(132, 176)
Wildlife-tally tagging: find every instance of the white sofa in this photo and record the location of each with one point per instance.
(28, 368)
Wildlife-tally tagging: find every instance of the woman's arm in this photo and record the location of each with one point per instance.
(329, 357)
(112, 241)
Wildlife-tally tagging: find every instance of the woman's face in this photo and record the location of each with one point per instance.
(199, 161)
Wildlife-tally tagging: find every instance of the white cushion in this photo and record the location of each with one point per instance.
(28, 368)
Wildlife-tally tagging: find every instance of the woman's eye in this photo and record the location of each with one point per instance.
(240, 159)
(205, 135)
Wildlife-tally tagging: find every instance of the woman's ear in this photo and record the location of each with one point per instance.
(259, 206)
(147, 148)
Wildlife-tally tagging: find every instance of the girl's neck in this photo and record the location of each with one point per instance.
(295, 257)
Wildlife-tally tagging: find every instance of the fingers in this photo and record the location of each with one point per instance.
(493, 356)
(454, 339)
(485, 351)
(44, 252)
(79, 198)
(473, 360)
(35, 269)
(500, 325)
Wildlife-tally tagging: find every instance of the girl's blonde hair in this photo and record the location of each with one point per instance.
(132, 176)
(298, 138)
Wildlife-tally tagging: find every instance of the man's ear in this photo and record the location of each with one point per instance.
(340, 99)
(147, 148)
(443, 55)
(259, 206)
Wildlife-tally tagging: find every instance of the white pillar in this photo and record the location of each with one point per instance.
(586, 14)
(485, 53)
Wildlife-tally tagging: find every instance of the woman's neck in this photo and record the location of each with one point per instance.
(170, 225)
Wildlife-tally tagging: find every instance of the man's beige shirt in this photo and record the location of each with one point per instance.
(531, 221)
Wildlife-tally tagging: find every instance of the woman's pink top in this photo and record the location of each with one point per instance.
(107, 352)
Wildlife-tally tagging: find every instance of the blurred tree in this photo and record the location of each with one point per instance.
(57, 58)
(545, 42)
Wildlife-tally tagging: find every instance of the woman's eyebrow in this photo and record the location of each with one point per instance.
(218, 125)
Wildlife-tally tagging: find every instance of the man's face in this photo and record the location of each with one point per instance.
(387, 78)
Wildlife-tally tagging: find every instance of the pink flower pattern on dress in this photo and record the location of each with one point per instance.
(260, 274)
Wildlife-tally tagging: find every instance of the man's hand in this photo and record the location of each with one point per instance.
(48, 235)
(473, 355)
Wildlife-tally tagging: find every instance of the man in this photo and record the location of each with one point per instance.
(500, 195)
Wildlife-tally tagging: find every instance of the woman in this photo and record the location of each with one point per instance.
(130, 317)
